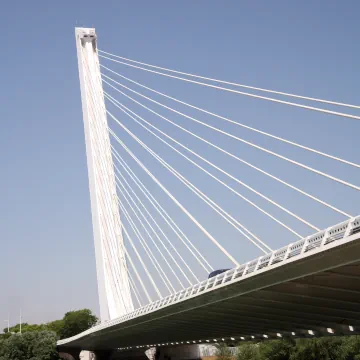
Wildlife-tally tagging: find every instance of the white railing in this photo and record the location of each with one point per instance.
(318, 240)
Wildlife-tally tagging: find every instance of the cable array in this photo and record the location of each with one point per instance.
(232, 121)
(155, 232)
(304, 166)
(165, 216)
(161, 246)
(245, 93)
(122, 107)
(236, 84)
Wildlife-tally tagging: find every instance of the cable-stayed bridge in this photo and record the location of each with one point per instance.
(154, 289)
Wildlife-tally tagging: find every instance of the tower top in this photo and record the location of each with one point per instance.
(86, 35)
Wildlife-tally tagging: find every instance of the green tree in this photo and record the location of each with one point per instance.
(5, 336)
(25, 327)
(75, 322)
(248, 352)
(44, 346)
(277, 349)
(16, 328)
(38, 345)
(55, 326)
(223, 352)
(351, 345)
(327, 348)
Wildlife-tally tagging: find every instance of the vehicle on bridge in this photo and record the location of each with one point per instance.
(217, 272)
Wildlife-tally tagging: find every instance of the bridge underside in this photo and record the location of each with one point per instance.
(317, 293)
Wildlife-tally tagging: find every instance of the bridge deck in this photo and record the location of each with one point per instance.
(314, 290)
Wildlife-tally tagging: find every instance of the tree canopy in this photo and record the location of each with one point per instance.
(223, 352)
(36, 345)
(38, 341)
(75, 322)
(248, 352)
(277, 349)
(326, 348)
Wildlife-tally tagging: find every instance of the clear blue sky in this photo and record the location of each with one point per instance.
(311, 48)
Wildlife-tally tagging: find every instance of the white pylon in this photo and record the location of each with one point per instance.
(112, 276)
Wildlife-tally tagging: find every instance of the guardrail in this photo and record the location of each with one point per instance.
(318, 240)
